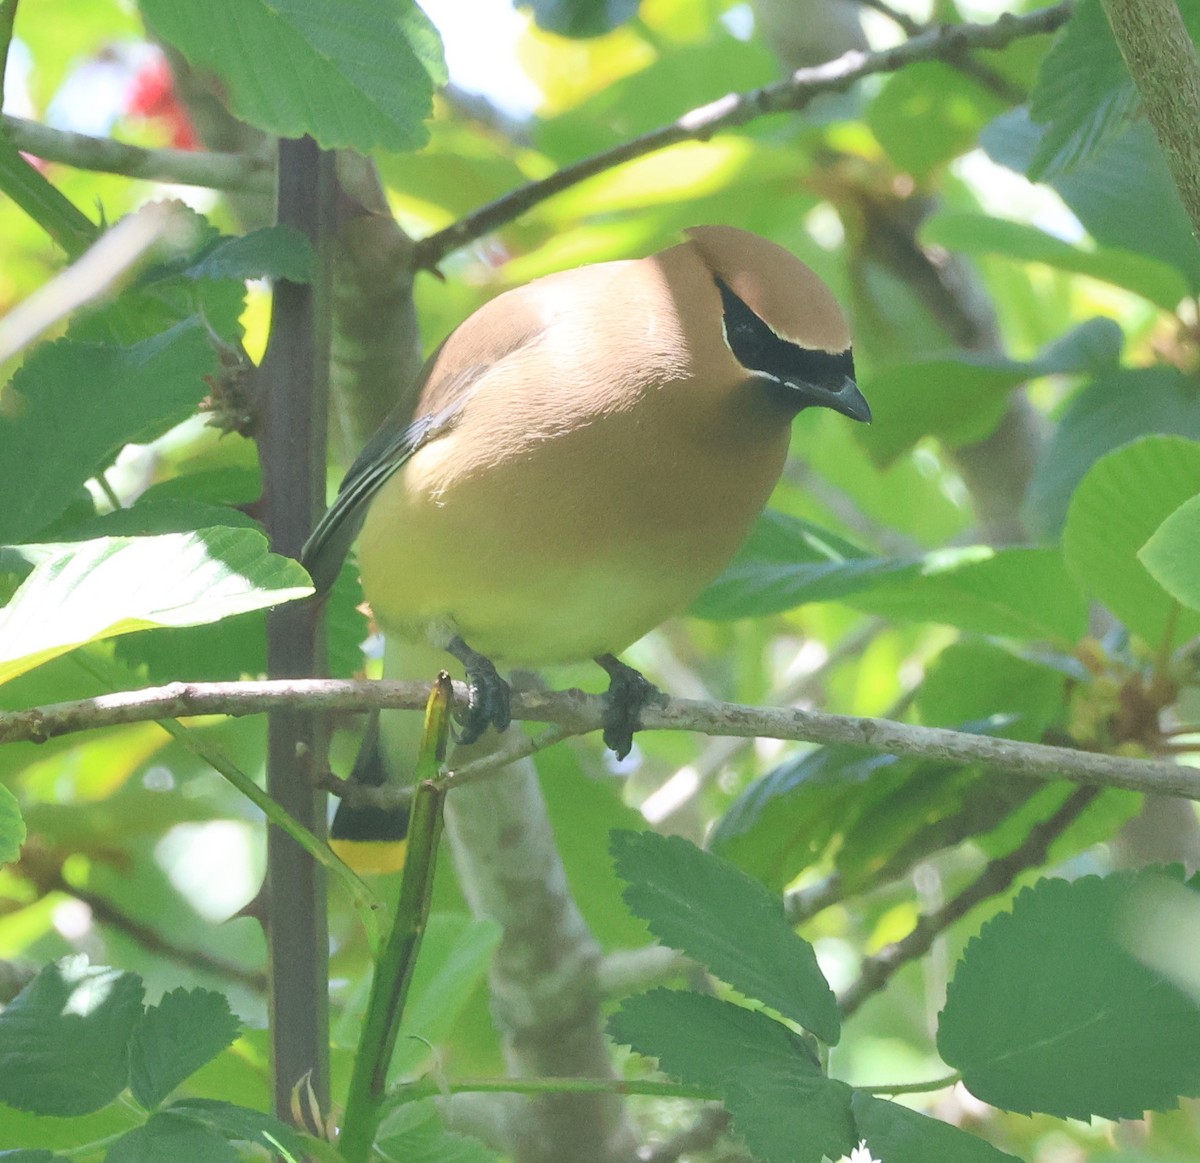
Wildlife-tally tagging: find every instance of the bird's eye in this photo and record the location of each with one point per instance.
(757, 348)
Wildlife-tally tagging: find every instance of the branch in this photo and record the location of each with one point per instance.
(578, 713)
(946, 43)
(183, 167)
(996, 877)
(1161, 60)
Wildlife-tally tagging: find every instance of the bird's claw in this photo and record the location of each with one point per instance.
(629, 691)
(488, 697)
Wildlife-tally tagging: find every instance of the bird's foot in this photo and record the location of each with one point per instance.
(488, 697)
(628, 692)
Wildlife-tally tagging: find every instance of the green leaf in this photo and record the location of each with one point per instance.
(783, 1108)
(1109, 192)
(92, 590)
(1123, 499)
(1116, 407)
(1050, 1011)
(726, 920)
(357, 75)
(273, 252)
(240, 1124)
(175, 1038)
(983, 234)
(786, 562)
(66, 1038)
(12, 827)
(1014, 592)
(21, 1155)
(929, 113)
(72, 407)
(959, 398)
(581, 18)
(414, 1132)
(899, 1135)
(166, 1137)
(1170, 554)
(1084, 95)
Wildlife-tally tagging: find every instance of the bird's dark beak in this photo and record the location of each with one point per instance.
(847, 399)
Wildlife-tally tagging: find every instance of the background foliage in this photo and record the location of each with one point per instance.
(1009, 550)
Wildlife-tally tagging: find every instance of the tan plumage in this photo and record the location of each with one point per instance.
(589, 451)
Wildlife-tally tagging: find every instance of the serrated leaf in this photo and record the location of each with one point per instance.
(984, 234)
(1170, 554)
(792, 1120)
(356, 75)
(1115, 408)
(241, 1124)
(73, 405)
(273, 252)
(415, 1133)
(165, 1137)
(706, 1042)
(175, 1038)
(715, 913)
(899, 1135)
(1049, 1011)
(91, 590)
(12, 827)
(65, 1038)
(1118, 505)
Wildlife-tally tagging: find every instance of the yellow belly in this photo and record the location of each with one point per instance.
(559, 554)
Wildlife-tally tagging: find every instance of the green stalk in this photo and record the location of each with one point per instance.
(394, 970)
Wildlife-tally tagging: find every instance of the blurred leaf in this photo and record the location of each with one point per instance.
(959, 398)
(783, 1108)
(1170, 554)
(1014, 592)
(1118, 505)
(928, 113)
(983, 234)
(90, 590)
(705, 907)
(414, 1132)
(361, 76)
(274, 252)
(12, 827)
(175, 1038)
(34, 1156)
(580, 18)
(73, 406)
(240, 1124)
(1084, 95)
(899, 1135)
(1110, 192)
(787, 561)
(1116, 407)
(1044, 994)
(66, 1038)
(166, 1137)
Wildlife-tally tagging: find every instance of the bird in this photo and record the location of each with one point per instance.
(587, 453)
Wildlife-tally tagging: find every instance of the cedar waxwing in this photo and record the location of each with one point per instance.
(589, 452)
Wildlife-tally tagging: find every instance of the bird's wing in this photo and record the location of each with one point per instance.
(382, 455)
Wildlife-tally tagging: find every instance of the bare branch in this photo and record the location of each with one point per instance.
(183, 167)
(946, 43)
(579, 713)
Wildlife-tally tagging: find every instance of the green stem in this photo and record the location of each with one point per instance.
(428, 1087)
(394, 969)
(914, 1087)
(8, 14)
(43, 202)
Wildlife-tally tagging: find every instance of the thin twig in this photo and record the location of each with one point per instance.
(578, 713)
(945, 43)
(995, 878)
(181, 167)
(710, 1125)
